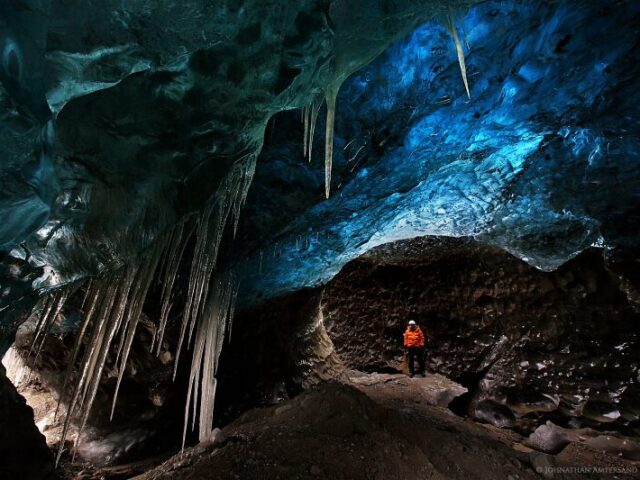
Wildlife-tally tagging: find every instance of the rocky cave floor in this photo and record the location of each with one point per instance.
(365, 426)
(544, 385)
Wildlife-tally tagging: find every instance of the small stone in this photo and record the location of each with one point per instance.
(519, 447)
(217, 438)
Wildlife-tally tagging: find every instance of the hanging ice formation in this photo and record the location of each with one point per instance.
(451, 26)
(210, 332)
(309, 118)
(113, 304)
(330, 98)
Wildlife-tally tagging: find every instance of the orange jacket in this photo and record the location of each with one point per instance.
(413, 338)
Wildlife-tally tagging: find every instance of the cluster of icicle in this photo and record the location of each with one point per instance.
(310, 113)
(309, 119)
(113, 305)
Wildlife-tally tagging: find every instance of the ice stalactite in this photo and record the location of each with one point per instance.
(210, 227)
(144, 275)
(209, 337)
(451, 26)
(111, 311)
(305, 121)
(330, 98)
(212, 296)
(248, 170)
(313, 118)
(113, 305)
(89, 305)
(104, 325)
(51, 308)
(175, 252)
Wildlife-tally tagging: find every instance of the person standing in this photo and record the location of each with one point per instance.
(414, 343)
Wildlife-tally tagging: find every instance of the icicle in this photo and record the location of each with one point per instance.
(52, 308)
(97, 338)
(330, 98)
(161, 272)
(112, 319)
(248, 171)
(91, 302)
(315, 109)
(104, 293)
(194, 285)
(175, 253)
(135, 303)
(135, 276)
(47, 305)
(206, 353)
(305, 114)
(454, 33)
(211, 223)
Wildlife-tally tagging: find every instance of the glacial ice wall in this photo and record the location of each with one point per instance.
(543, 159)
(120, 119)
(133, 130)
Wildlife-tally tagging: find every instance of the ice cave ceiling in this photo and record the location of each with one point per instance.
(121, 119)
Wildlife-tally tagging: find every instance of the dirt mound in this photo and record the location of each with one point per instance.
(330, 432)
(338, 432)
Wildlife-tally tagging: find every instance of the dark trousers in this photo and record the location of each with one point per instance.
(414, 353)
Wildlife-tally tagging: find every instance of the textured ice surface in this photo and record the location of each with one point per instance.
(126, 121)
(121, 119)
(542, 160)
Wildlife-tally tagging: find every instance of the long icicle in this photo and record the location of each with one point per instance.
(315, 109)
(454, 33)
(104, 290)
(305, 114)
(195, 280)
(52, 308)
(330, 97)
(102, 324)
(113, 319)
(176, 252)
(47, 305)
(206, 353)
(89, 305)
(136, 303)
(209, 233)
(248, 171)
(161, 271)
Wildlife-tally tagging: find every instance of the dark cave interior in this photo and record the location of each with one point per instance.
(218, 218)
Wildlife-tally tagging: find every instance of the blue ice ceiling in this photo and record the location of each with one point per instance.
(541, 161)
(121, 120)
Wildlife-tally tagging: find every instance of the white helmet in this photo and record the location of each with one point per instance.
(412, 322)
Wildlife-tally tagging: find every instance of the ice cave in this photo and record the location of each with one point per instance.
(319, 239)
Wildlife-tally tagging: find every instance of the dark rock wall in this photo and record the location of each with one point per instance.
(23, 451)
(148, 415)
(274, 352)
(560, 345)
